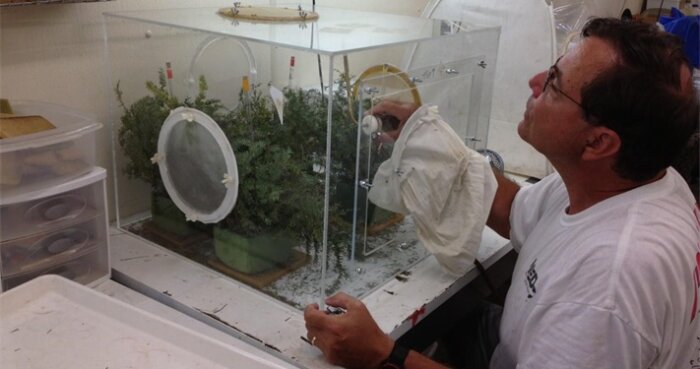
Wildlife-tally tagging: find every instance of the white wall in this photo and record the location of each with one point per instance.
(54, 53)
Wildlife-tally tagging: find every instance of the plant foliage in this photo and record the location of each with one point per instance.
(142, 121)
(281, 167)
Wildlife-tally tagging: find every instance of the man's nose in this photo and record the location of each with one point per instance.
(536, 83)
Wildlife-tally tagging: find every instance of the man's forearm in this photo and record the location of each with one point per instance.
(499, 217)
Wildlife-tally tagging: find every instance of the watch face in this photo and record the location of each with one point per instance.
(197, 165)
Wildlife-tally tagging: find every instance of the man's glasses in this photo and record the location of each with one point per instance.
(551, 75)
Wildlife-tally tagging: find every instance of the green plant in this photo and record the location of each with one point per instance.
(281, 167)
(278, 190)
(142, 121)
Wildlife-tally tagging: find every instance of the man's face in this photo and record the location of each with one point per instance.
(554, 122)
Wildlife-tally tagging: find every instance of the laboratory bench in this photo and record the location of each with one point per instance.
(212, 303)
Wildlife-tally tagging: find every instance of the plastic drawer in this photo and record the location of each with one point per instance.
(53, 212)
(48, 249)
(43, 159)
(89, 269)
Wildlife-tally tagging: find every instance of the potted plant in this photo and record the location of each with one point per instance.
(281, 169)
(280, 197)
(282, 174)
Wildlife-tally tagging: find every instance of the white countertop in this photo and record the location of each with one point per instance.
(136, 299)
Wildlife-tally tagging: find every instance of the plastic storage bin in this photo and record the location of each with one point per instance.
(59, 324)
(61, 230)
(41, 160)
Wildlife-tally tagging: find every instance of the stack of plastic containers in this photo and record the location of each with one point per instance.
(53, 210)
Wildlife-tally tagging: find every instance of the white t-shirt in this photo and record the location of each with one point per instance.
(614, 286)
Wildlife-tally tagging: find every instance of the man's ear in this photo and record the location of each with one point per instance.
(601, 142)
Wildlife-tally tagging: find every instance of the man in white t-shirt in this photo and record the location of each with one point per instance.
(608, 270)
(613, 286)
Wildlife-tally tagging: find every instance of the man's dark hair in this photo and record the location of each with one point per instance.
(642, 97)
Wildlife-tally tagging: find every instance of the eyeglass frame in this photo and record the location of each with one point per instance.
(552, 73)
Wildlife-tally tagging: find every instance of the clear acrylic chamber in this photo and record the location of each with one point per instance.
(239, 144)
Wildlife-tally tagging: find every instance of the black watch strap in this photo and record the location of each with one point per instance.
(396, 359)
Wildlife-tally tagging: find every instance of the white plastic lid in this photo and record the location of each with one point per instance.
(197, 165)
(69, 123)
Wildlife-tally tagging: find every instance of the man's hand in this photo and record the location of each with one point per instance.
(351, 339)
(402, 111)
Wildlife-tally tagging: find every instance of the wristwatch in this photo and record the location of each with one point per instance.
(396, 358)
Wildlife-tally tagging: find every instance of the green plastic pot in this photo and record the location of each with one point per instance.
(168, 217)
(253, 255)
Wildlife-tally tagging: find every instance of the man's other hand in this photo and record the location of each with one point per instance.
(351, 339)
(401, 110)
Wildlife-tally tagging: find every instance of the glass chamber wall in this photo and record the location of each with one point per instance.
(288, 99)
